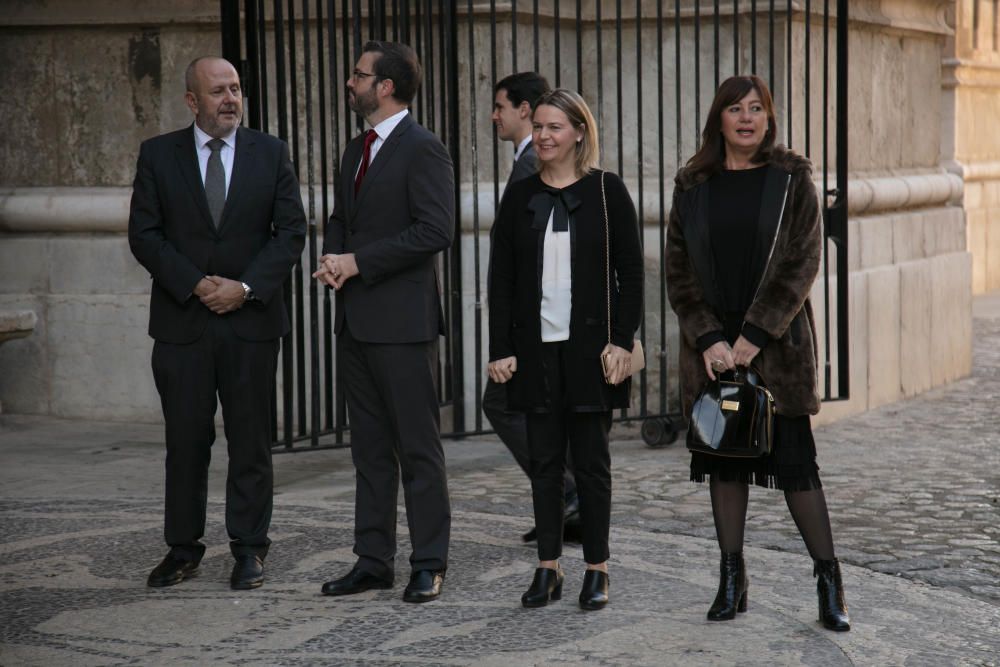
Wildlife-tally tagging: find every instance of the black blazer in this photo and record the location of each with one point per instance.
(403, 216)
(259, 239)
(515, 289)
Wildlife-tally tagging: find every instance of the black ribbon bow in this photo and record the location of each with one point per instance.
(560, 203)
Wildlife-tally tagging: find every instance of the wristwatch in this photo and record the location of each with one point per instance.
(247, 292)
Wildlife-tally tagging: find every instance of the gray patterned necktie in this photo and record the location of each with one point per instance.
(215, 181)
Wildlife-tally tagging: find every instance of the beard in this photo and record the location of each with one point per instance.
(364, 104)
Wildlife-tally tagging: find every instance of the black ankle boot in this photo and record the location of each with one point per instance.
(594, 593)
(732, 595)
(829, 587)
(547, 585)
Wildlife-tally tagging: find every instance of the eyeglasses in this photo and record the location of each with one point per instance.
(358, 75)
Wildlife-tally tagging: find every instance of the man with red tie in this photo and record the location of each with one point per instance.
(393, 212)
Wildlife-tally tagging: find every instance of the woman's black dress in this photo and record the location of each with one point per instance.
(734, 207)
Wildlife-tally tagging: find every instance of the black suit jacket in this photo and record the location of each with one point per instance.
(258, 241)
(401, 218)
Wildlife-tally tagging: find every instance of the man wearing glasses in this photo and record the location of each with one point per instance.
(393, 212)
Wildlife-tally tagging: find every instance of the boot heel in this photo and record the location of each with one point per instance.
(556, 592)
(742, 607)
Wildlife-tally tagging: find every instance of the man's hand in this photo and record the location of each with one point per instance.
(204, 288)
(502, 370)
(226, 297)
(335, 270)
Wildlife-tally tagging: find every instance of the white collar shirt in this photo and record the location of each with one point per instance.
(520, 147)
(226, 153)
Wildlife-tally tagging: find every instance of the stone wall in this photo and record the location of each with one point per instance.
(95, 82)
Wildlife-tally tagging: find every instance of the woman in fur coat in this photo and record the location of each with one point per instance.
(743, 250)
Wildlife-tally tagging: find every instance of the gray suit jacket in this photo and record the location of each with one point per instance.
(403, 215)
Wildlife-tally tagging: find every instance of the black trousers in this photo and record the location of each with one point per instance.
(586, 434)
(512, 429)
(394, 416)
(188, 378)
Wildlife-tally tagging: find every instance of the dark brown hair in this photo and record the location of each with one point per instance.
(398, 63)
(710, 157)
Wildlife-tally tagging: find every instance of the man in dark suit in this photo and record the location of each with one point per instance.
(514, 98)
(393, 212)
(217, 220)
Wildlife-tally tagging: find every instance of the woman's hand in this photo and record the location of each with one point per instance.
(502, 370)
(744, 352)
(617, 363)
(718, 358)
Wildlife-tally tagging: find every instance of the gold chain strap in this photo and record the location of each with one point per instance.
(607, 253)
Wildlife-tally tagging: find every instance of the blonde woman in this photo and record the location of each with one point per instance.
(549, 329)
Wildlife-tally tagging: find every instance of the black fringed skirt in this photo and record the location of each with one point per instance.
(791, 465)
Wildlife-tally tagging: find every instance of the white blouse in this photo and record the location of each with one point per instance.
(557, 284)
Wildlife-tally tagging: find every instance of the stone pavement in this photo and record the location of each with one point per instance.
(913, 490)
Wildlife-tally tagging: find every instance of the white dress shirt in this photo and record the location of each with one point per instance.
(226, 153)
(557, 284)
(382, 130)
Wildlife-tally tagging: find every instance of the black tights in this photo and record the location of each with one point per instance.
(808, 509)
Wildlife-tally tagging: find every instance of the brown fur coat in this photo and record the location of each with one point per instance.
(781, 307)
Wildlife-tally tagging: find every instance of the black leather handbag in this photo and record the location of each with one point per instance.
(733, 416)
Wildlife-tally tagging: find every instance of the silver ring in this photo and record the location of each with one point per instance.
(718, 363)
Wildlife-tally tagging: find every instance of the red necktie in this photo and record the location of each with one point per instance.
(366, 157)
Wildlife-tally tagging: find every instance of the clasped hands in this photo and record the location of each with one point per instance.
(335, 270)
(721, 357)
(220, 295)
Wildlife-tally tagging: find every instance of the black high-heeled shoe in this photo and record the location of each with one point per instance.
(733, 584)
(830, 589)
(547, 585)
(594, 593)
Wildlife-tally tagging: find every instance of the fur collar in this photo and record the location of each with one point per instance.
(783, 158)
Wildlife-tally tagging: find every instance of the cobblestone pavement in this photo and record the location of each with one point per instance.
(913, 491)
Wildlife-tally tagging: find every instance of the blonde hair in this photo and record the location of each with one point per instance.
(588, 150)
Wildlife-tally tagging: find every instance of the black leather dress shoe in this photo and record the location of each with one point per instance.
(546, 586)
(248, 572)
(424, 586)
(170, 571)
(355, 581)
(594, 593)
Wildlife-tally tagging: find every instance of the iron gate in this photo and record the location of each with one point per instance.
(648, 69)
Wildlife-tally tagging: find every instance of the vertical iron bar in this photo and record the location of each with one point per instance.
(736, 37)
(770, 47)
(494, 77)
(457, 362)
(716, 24)
(753, 37)
(843, 370)
(229, 18)
(298, 286)
(534, 28)
(678, 156)
(478, 309)
(262, 32)
(788, 74)
(555, 28)
(579, 47)
(513, 36)
(311, 219)
(395, 20)
(600, 71)
(639, 158)
(618, 88)
(334, 161)
(697, 74)
(250, 67)
(827, 343)
(806, 86)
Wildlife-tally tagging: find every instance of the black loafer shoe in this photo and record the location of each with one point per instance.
(355, 581)
(171, 571)
(248, 572)
(594, 594)
(424, 586)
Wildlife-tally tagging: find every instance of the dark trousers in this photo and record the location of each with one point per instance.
(393, 411)
(512, 429)
(586, 433)
(188, 378)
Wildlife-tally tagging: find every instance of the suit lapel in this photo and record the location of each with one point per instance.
(242, 161)
(187, 162)
(382, 158)
(349, 168)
